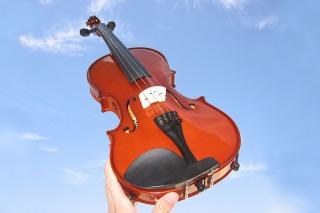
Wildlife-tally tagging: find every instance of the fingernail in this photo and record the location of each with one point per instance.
(171, 197)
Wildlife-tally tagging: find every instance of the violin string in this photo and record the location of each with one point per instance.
(150, 84)
(148, 80)
(139, 87)
(129, 72)
(140, 77)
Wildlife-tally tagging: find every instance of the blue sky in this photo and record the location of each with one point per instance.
(256, 60)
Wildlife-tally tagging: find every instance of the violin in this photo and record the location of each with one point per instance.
(165, 142)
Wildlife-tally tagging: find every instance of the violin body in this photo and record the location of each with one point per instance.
(150, 158)
(213, 132)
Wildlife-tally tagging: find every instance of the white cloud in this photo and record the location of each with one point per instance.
(234, 4)
(96, 6)
(49, 149)
(66, 42)
(247, 169)
(14, 142)
(228, 4)
(45, 2)
(267, 22)
(188, 3)
(195, 3)
(32, 137)
(253, 167)
(75, 177)
(69, 41)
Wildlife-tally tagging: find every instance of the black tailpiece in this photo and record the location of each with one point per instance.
(170, 124)
(162, 168)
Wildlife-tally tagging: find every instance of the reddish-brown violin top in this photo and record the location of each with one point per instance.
(164, 142)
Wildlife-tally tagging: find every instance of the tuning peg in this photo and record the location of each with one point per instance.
(85, 32)
(111, 25)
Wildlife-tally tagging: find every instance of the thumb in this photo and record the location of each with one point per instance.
(166, 203)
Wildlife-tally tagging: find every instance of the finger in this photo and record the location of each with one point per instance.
(111, 203)
(114, 188)
(110, 198)
(166, 203)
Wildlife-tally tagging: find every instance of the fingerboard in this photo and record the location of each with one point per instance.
(131, 67)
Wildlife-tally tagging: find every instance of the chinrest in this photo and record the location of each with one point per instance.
(160, 168)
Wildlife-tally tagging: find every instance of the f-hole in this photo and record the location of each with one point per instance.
(134, 119)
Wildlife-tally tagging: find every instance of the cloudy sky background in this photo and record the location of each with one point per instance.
(258, 60)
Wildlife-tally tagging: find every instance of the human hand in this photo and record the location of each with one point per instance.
(118, 202)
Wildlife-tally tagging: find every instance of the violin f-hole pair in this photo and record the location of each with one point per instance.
(165, 142)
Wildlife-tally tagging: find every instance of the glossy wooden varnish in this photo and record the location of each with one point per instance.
(208, 131)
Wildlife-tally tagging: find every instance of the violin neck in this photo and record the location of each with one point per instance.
(131, 67)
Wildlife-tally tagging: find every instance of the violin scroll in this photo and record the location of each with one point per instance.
(92, 22)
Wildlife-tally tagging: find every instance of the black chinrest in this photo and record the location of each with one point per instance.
(161, 167)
